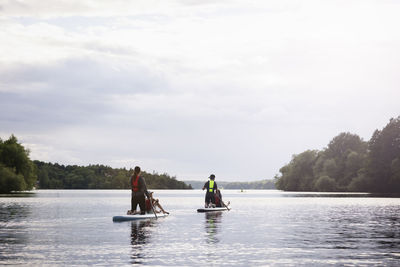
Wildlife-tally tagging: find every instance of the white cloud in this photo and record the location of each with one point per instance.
(193, 87)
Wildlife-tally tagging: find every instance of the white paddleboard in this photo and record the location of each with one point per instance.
(212, 209)
(122, 218)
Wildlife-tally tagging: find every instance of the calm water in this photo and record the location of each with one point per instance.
(75, 227)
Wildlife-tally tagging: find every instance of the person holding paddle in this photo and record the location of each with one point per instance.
(139, 190)
(211, 187)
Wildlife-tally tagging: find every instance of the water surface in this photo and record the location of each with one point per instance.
(264, 227)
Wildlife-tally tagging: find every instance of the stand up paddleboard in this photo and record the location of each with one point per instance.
(135, 217)
(212, 209)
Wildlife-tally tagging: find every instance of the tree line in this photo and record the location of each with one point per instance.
(263, 184)
(56, 176)
(19, 173)
(348, 164)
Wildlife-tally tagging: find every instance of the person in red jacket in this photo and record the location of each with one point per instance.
(139, 190)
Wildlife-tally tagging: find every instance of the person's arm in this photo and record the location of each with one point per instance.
(205, 185)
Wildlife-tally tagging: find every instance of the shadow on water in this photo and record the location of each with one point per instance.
(140, 234)
(212, 223)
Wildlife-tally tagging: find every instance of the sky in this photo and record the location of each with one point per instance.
(190, 88)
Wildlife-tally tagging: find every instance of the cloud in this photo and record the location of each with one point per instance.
(82, 75)
(70, 92)
(194, 87)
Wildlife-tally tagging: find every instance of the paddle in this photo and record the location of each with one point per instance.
(152, 207)
(225, 205)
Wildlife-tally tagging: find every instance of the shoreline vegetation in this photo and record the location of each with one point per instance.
(263, 184)
(348, 164)
(56, 176)
(19, 173)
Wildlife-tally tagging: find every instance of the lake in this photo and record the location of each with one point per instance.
(263, 228)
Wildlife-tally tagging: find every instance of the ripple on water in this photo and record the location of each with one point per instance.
(263, 228)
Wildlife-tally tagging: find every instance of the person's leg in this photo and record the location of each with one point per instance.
(142, 204)
(207, 200)
(134, 202)
(161, 208)
(212, 200)
(156, 205)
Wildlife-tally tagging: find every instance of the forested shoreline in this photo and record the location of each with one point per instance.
(263, 184)
(348, 164)
(19, 173)
(56, 176)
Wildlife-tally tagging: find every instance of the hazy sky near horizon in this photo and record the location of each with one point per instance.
(192, 87)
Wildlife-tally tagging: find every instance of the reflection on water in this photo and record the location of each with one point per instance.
(264, 228)
(13, 212)
(140, 234)
(338, 194)
(13, 233)
(18, 194)
(212, 223)
(351, 228)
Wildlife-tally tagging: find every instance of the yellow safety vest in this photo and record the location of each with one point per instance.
(211, 186)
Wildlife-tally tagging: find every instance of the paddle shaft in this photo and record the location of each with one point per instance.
(225, 205)
(152, 207)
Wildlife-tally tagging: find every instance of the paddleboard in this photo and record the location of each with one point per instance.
(122, 218)
(212, 209)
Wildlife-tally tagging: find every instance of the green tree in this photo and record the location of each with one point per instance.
(361, 183)
(349, 164)
(353, 164)
(325, 184)
(120, 180)
(344, 148)
(43, 175)
(10, 181)
(298, 175)
(17, 170)
(330, 167)
(395, 174)
(384, 149)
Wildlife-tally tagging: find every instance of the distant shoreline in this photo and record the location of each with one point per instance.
(262, 184)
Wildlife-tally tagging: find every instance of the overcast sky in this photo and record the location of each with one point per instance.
(193, 87)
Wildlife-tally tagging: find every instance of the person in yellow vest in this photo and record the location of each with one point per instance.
(211, 187)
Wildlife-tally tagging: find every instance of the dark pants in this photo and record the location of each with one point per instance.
(210, 197)
(138, 198)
